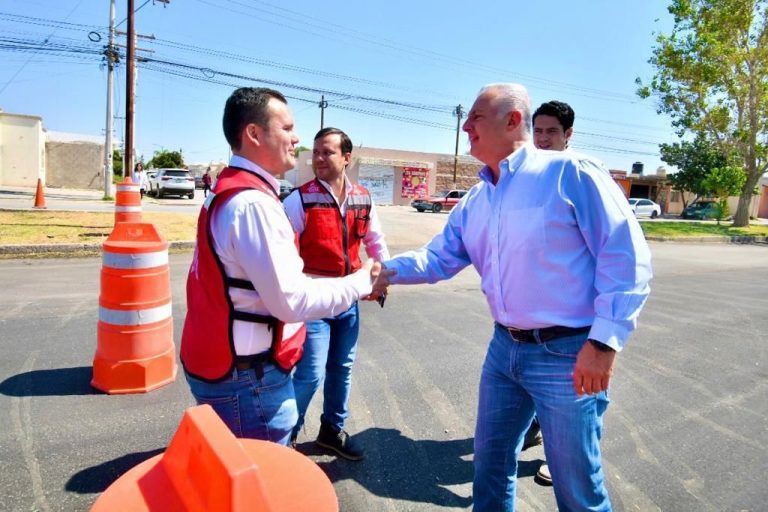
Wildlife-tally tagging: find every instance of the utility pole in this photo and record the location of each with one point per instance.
(130, 93)
(323, 105)
(112, 58)
(459, 113)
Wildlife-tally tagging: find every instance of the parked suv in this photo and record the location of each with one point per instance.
(443, 200)
(178, 182)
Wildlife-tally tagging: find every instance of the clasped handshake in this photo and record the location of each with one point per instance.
(379, 280)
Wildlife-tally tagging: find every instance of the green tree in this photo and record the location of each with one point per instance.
(722, 183)
(712, 79)
(299, 150)
(694, 160)
(166, 159)
(117, 163)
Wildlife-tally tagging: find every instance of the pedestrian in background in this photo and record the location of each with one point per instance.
(206, 182)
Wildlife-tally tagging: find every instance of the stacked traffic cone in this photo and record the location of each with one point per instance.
(40, 195)
(206, 468)
(135, 352)
(127, 202)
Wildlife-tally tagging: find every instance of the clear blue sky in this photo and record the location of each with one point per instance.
(435, 54)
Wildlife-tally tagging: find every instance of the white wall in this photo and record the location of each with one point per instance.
(22, 150)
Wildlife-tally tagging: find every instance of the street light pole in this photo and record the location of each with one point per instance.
(130, 93)
(111, 55)
(459, 113)
(323, 105)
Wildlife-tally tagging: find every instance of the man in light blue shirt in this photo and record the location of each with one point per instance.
(565, 269)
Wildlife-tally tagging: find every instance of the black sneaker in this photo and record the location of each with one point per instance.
(340, 442)
(543, 476)
(531, 441)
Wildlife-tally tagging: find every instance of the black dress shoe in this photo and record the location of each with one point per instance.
(339, 442)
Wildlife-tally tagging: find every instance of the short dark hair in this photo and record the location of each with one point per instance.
(346, 142)
(559, 109)
(245, 106)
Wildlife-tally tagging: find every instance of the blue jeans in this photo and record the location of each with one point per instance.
(328, 353)
(518, 380)
(252, 407)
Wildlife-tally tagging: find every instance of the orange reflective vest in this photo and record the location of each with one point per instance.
(330, 244)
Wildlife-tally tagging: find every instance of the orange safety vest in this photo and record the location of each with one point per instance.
(207, 346)
(330, 245)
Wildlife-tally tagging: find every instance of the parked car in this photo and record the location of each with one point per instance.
(700, 210)
(285, 188)
(644, 207)
(177, 182)
(443, 200)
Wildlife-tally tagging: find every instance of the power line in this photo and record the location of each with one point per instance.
(81, 51)
(9, 82)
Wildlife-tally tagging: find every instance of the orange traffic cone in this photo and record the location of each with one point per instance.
(135, 351)
(127, 201)
(206, 468)
(40, 195)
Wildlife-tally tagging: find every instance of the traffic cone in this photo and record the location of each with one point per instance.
(206, 468)
(127, 201)
(135, 352)
(40, 195)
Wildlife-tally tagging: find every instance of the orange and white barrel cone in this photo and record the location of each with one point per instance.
(40, 195)
(135, 352)
(127, 201)
(206, 468)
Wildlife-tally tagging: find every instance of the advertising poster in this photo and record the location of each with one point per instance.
(415, 182)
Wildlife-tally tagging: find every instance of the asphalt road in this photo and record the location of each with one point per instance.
(687, 429)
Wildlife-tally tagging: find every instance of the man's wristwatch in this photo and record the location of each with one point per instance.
(602, 347)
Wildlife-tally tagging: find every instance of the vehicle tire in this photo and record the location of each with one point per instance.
(654, 214)
(437, 208)
(159, 193)
(420, 210)
(191, 196)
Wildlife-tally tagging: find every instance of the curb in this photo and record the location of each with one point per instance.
(736, 239)
(87, 249)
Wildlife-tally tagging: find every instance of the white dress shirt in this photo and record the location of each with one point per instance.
(375, 246)
(554, 241)
(255, 241)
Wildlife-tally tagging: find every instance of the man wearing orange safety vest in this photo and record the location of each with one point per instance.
(333, 217)
(247, 297)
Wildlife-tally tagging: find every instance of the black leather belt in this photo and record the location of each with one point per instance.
(545, 333)
(255, 362)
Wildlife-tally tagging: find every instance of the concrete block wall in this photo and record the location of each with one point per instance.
(74, 165)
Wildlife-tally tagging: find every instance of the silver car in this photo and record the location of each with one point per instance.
(178, 182)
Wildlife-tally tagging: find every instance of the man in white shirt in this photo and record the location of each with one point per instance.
(333, 217)
(247, 297)
(565, 268)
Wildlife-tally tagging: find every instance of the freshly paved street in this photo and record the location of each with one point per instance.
(686, 430)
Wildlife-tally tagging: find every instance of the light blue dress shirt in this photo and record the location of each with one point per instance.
(554, 241)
